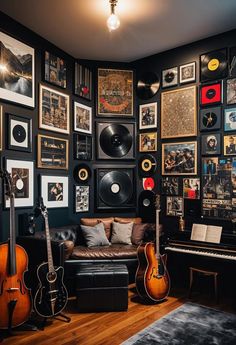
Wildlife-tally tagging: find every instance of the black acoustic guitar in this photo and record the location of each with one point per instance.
(51, 296)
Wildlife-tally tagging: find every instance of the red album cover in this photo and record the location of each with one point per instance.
(211, 94)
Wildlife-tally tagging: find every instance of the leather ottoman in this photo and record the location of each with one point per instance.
(102, 287)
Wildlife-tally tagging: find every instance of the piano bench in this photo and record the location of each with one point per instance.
(201, 272)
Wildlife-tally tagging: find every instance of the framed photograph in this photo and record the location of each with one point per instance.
(52, 152)
(83, 81)
(148, 142)
(211, 94)
(17, 77)
(179, 158)
(174, 206)
(209, 166)
(19, 133)
(211, 144)
(170, 77)
(1, 131)
(54, 110)
(115, 92)
(231, 91)
(170, 185)
(230, 145)
(187, 73)
(82, 147)
(210, 119)
(55, 70)
(191, 188)
(148, 116)
(82, 118)
(230, 119)
(81, 198)
(179, 113)
(54, 191)
(22, 173)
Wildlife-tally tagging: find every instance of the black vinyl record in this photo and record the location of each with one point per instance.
(146, 202)
(116, 140)
(19, 133)
(214, 65)
(148, 85)
(82, 173)
(147, 165)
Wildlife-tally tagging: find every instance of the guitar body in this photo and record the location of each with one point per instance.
(152, 278)
(51, 296)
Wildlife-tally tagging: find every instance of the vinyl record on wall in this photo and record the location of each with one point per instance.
(148, 85)
(211, 94)
(146, 204)
(214, 65)
(82, 173)
(147, 165)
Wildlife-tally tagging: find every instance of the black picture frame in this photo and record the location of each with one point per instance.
(82, 147)
(210, 119)
(19, 136)
(55, 70)
(211, 144)
(170, 185)
(83, 81)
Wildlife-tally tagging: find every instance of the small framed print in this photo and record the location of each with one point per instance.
(148, 116)
(82, 147)
(187, 73)
(231, 91)
(211, 144)
(148, 142)
(174, 206)
(1, 127)
(230, 119)
(230, 145)
(211, 94)
(81, 199)
(191, 188)
(19, 133)
(83, 81)
(170, 77)
(52, 152)
(210, 119)
(170, 185)
(82, 118)
(22, 173)
(54, 191)
(55, 70)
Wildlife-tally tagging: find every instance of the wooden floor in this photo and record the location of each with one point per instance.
(104, 328)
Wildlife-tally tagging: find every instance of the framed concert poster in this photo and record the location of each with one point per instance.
(148, 116)
(179, 158)
(174, 206)
(230, 119)
(211, 94)
(19, 133)
(54, 191)
(1, 127)
(179, 113)
(55, 70)
(82, 118)
(81, 199)
(148, 142)
(22, 173)
(82, 147)
(17, 77)
(211, 144)
(83, 81)
(54, 110)
(231, 91)
(187, 73)
(115, 92)
(52, 152)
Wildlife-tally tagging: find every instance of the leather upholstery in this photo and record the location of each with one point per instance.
(65, 233)
(93, 221)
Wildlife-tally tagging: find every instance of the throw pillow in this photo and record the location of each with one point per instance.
(95, 235)
(121, 233)
(138, 233)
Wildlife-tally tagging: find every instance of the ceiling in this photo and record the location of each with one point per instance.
(147, 26)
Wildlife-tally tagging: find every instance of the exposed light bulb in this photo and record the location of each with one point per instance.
(113, 22)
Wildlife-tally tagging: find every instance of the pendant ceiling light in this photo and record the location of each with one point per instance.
(113, 21)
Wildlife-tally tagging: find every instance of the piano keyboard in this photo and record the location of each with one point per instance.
(198, 251)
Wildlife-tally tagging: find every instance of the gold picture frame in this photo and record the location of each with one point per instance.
(179, 113)
(148, 142)
(230, 145)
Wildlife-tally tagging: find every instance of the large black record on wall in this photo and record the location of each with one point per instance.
(148, 85)
(146, 205)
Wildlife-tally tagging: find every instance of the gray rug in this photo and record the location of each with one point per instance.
(190, 324)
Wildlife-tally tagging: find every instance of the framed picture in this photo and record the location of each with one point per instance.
(170, 185)
(1, 131)
(211, 94)
(81, 198)
(211, 144)
(170, 77)
(82, 118)
(210, 119)
(230, 119)
(54, 191)
(83, 81)
(22, 173)
(55, 70)
(179, 158)
(19, 133)
(52, 152)
(174, 206)
(148, 142)
(82, 147)
(231, 91)
(191, 188)
(232, 62)
(179, 113)
(148, 116)
(187, 73)
(17, 78)
(115, 92)
(230, 145)
(54, 110)
(209, 166)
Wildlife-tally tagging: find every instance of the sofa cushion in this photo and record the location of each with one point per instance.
(114, 251)
(123, 220)
(95, 235)
(138, 233)
(121, 233)
(93, 221)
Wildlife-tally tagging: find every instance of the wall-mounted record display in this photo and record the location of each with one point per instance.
(147, 165)
(82, 173)
(19, 133)
(115, 188)
(210, 119)
(232, 62)
(115, 141)
(146, 204)
(170, 77)
(211, 94)
(148, 85)
(148, 183)
(214, 65)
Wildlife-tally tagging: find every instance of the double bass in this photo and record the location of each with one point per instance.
(152, 278)
(15, 298)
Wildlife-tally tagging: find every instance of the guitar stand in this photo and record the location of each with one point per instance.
(61, 315)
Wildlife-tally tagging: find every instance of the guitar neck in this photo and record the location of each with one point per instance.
(157, 234)
(12, 240)
(49, 246)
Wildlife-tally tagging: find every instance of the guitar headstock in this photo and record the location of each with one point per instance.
(8, 183)
(41, 207)
(158, 202)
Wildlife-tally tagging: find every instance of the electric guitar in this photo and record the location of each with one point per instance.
(51, 297)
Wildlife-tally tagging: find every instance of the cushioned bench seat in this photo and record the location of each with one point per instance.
(114, 251)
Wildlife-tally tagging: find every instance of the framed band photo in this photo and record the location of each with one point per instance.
(148, 142)
(81, 199)
(55, 70)
(148, 116)
(82, 118)
(54, 191)
(19, 133)
(230, 145)
(174, 206)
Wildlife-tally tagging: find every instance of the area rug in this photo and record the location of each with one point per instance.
(190, 324)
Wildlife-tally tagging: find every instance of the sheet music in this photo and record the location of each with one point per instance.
(198, 232)
(213, 234)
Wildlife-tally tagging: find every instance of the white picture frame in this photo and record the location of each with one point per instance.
(148, 115)
(187, 73)
(81, 199)
(54, 191)
(82, 118)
